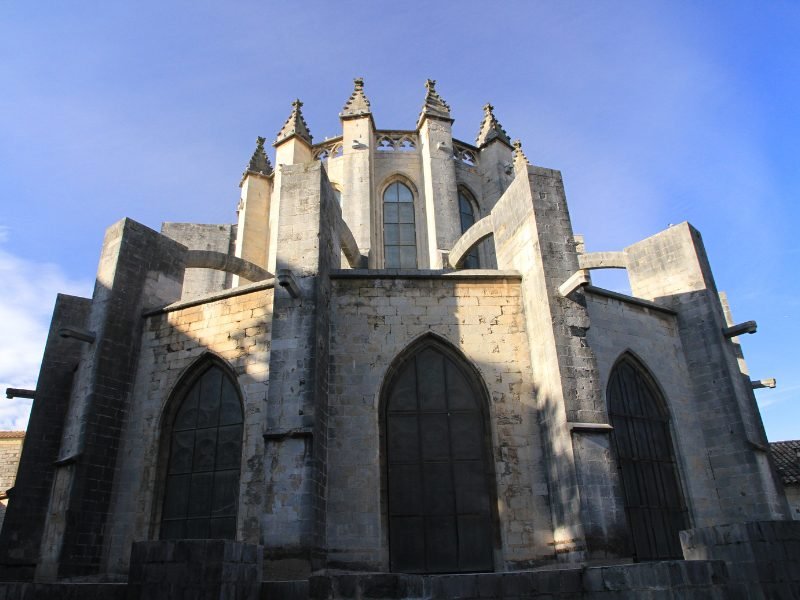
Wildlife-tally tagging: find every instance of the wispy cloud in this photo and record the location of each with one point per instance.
(26, 306)
(777, 396)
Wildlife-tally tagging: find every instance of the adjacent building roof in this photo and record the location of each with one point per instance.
(11, 435)
(787, 459)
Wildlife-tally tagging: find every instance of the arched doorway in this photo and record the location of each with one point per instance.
(643, 443)
(201, 474)
(437, 465)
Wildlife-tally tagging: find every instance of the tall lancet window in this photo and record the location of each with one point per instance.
(399, 231)
(643, 443)
(205, 452)
(438, 466)
(467, 211)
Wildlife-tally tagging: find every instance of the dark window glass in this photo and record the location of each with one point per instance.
(202, 479)
(653, 499)
(439, 495)
(399, 231)
(467, 220)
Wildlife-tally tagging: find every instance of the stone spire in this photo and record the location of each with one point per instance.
(357, 105)
(259, 163)
(434, 106)
(520, 160)
(295, 126)
(490, 129)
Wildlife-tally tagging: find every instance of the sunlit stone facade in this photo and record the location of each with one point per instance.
(394, 361)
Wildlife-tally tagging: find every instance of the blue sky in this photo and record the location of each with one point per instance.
(655, 112)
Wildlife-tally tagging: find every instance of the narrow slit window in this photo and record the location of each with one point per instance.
(471, 260)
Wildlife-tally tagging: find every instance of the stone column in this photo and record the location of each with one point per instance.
(252, 233)
(294, 519)
(23, 526)
(442, 218)
(358, 138)
(139, 269)
(292, 147)
(533, 235)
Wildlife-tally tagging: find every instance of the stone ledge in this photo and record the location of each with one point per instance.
(213, 297)
(441, 274)
(590, 289)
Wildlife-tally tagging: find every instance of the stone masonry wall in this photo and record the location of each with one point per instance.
(196, 236)
(763, 556)
(10, 450)
(375, 315)
(236, 329)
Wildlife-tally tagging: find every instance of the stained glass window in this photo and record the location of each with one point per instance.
(202, 474)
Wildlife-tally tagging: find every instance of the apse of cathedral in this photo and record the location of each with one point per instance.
(393, 374)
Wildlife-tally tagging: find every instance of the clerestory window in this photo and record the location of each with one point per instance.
(399, 230)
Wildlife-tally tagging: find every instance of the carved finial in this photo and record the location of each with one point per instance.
(357, 105)
(259, 162)
(295, 125)
(520, 160)
(490, 129)
(434, 105)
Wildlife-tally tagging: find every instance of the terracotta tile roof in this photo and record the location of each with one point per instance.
(787, 459)
(11, 435)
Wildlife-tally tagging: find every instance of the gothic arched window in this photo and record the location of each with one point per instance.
(467, 212)
(438, 465)
(641, 431)
(399, 231)
(205, 449)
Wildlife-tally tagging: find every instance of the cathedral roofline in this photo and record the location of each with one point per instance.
(490, 129)
(295, 126)
(259, 162)
(434, 106)
(357, 105)
(520, 160)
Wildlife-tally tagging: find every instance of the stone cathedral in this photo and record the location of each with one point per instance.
(392, 377)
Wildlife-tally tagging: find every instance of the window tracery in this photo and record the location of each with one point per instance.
(202, 472)
(396, 141)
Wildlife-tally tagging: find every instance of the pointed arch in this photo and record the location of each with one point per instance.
(438, 479)
(398, 208)
(642, 439)
(200, 454)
